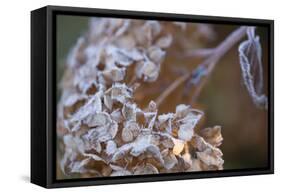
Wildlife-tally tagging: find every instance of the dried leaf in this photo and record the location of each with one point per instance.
(250, 54)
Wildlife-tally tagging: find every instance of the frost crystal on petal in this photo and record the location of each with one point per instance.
(106, 132)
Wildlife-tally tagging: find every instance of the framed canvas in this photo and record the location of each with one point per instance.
(126, 96)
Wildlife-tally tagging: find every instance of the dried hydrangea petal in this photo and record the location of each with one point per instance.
(129, 111)
(111, 147)
(114, 74)
(140, 145)
(212, 135)
(76, 54)
(116, 115)
(147, 32)
(102, 133)
(94, 157)
(122, 56)
(108, 102)
(120, 92)
(147, 70)
(187, 158)
(185, 132)
(150, 118)
(182, 110)
(170, 159)
(130, 131)
(121, 173)
(79, 166)
(93, 105)
(182, 25)
(146, 169)
(178, 146)
(210, 159)
(72, 99)
(164, 41)
(98, 119)
(121, 152)
(156, 54)
(188, 123)
(165, 122)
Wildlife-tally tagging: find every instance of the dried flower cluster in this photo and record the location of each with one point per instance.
(105, 132)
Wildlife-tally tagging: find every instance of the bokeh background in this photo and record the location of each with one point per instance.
(224, 98)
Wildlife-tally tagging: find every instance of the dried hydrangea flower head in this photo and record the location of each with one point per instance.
(105, 132)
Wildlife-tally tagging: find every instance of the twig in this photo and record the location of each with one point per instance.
(171, 88)
(200, 52)
(219, 52)
(214, 55)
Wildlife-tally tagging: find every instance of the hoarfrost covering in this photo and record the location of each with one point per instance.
(104, 133)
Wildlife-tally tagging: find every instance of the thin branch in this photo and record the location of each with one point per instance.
(200, 52)
(171, 88)
(219, 52)
(214, 55)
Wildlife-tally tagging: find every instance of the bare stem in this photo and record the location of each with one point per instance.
(219, 52)
(171, 88)
(214, 55)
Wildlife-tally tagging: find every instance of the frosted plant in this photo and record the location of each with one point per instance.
(250, 53)
(106, 133)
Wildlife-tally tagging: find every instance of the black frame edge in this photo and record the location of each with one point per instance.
(38, 97)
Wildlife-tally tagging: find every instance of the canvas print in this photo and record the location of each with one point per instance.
(139, 97)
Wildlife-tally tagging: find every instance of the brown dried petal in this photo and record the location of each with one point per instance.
(170, 160)
(146, 169)
(185, 132)
(114, 74)
(122, 56)
(165, 122)
(73, 99)
(129, 111)
(209, 158)
(92, 106)
(116, 116)
(188, 123)
(121, 152)
(130, 131)
(212, 135)
(98, 119)
(178, 146)
(156, 54)
(164, 41)
(120, 93)
(147, 70)
(182, 110)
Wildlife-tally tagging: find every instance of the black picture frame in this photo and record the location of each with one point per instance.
(43, 96)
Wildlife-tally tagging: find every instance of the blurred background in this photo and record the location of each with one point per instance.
(224, 99)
